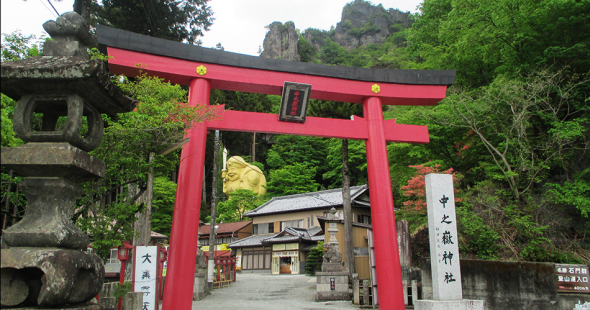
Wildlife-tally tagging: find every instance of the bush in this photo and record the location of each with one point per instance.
(314, 259)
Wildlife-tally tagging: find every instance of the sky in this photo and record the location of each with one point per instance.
(239, 25)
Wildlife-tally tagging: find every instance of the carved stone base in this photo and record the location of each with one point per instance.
(48, 277)
(332, 286)
(47, 223)
(332, 267)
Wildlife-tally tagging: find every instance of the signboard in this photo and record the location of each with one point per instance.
(333, 284)
(145, 274)
(292, 246)
(285, 254)
(294, 102)
(444, 241)
(238, 262)
(218, 247)
(278, 247)
(572, 278)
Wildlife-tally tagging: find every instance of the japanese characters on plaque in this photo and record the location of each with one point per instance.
(444, 245)
(572, 278)
(146, 262)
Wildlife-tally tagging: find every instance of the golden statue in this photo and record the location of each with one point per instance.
(240, 174)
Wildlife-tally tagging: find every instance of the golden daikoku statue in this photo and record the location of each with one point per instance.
(240, 174)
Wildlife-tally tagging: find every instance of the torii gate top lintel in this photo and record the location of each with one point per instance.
(205, 69)
(178, 63)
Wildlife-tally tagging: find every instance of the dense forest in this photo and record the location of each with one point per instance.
(513, 129)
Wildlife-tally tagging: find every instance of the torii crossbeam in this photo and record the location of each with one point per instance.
(205, 69)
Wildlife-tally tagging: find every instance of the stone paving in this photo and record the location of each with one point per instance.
(266, 291)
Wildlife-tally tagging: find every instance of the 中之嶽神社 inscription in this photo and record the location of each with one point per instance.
(444, 248)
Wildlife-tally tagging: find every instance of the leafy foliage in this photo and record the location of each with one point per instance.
(314, 260)
(109, 224)
(182, 21)
(292, 179)
(164, 195)
(17, 46)
(503, 37)
(109, 205)
(416, 187)
(240, 201)
(293, 150)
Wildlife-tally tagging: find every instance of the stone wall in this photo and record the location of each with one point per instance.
(509, 285)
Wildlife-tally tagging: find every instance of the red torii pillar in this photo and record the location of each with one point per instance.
(175, 62)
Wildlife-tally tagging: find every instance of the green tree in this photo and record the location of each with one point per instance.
(109, 205)
(292, 179)
(357, 163)
(183, 21)
(332, 53)
(314, 259)
(240, 201)
(163, 205)
(506, 116)
(16, 46)
(501, 37)
(289, 150)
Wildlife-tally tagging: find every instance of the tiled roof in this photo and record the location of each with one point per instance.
(218, 253)
(224, 228)
(253, 240)
(282, 239)
(289, 234)
(322, 219)
(318, 238)
(315, 200)
(155, 235)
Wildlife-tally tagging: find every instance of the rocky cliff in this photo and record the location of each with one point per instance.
(361, 24)
(280, 42)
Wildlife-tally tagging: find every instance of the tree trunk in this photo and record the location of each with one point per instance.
(253, 147)
(349, 253)
(143, 226)
(82, 7)
(211, 264)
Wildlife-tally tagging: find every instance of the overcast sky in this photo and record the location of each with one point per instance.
(238, 25)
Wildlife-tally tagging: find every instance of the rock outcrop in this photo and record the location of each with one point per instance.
(281, 42)
(363, 23)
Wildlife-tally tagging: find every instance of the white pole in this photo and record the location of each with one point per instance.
(224, 157)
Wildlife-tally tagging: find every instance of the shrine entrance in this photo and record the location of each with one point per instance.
(204, 69)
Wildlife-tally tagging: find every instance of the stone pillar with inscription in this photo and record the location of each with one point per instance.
(332, 282)
(45, 263)
(444, 248)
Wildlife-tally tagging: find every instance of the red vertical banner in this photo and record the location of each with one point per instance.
(389, 276)
(187, 208)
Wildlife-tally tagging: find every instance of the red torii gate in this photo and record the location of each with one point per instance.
(203, 69)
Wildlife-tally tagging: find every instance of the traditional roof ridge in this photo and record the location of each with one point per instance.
(311, 234)
(341, 221)
(319, 202)
(225, 227)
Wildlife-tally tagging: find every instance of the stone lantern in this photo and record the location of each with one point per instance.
(332, 282)
(332, 259)
(44, 262)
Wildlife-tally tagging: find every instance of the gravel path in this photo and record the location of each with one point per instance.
(265, 291)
